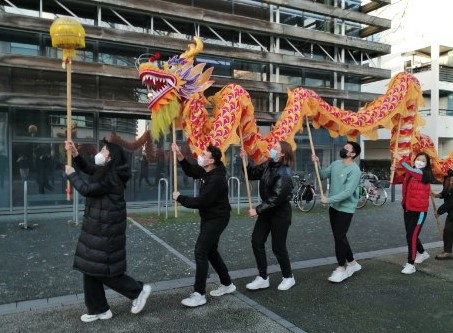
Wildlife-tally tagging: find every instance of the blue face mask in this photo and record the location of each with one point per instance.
(273, 154)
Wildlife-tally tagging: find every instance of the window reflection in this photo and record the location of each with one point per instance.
(45, 124)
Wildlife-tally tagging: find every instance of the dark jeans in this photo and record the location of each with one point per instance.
(277, 224)
(206, 252)
(448, 233)
(413, 221)
(93, 287)
(340, 222)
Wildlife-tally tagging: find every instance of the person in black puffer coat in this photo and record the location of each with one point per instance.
(214, 208)
(101, 250)
(447, 207)
(274, 213)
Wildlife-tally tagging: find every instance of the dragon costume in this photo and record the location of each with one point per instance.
(176, 92)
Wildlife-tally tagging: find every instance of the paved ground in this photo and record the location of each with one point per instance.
(39, 292)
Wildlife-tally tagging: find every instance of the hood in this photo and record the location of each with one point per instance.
(219, 170)
(123, 172)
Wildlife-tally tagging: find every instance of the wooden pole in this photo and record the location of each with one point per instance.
(318, 177)
(244, 166)
(68, 122)
(439, 228)
(175, 171)
(395, 151)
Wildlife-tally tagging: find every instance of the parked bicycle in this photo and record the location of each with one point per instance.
(372, 189)
(304, 195)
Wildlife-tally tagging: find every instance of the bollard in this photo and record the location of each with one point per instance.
(195, 190)
(76, 200)
(165, 181)
(25, 224)
(258, 198)
(231, 181)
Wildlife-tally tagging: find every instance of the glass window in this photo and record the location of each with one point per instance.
(42, 166)
(291, 75)
(4, 161)
(249, 71)
(318, 79)
(221, 67)
(119, 54)
(51, 124)
(29, 42)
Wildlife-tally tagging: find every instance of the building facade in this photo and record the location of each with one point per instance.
(426, 51)
(266, 46)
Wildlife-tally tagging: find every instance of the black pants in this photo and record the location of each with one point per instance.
(93, 287)
(277, 224)
(340, 222)
(145, 177)
(448, 233)
(413, 221)
(206, 252)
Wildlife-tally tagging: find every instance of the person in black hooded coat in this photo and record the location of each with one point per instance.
(101, 249)
(446, 207)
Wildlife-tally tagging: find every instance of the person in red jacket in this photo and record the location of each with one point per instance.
(415, 202)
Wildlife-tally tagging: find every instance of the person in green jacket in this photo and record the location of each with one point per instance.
(344, 176)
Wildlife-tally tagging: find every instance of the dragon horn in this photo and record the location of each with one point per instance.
(193, 49)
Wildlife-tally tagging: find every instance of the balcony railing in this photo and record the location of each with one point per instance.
(442, 112)
(445, 72)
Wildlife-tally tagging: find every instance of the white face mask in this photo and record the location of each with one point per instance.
(99, 159)
(200, 161)
(420, 164)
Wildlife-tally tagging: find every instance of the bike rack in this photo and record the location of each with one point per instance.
(231, 181)
(195, 190)
(159, 187)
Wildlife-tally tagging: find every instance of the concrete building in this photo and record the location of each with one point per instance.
(266, 46)
(421, 44)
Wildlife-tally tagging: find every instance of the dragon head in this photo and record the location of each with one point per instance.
(171, 83)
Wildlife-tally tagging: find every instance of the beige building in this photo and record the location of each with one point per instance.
(423, 47)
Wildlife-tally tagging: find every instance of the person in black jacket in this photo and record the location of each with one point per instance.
(274, 213)
(101, 250)
(214, 208)
(447, 207)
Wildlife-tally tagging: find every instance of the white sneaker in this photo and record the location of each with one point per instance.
(86, 318)
(195, 299)
(222, 290)
(286, 283)
(421, 257)
(139, 303)
(338, 275)
(258, 283)
(408, 269)
(352, 268)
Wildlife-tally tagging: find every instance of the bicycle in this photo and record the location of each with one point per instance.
(372, 189)
(304, 195)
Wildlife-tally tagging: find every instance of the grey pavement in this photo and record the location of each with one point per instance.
(39, 291)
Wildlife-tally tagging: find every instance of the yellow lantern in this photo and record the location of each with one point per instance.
(68, 34)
